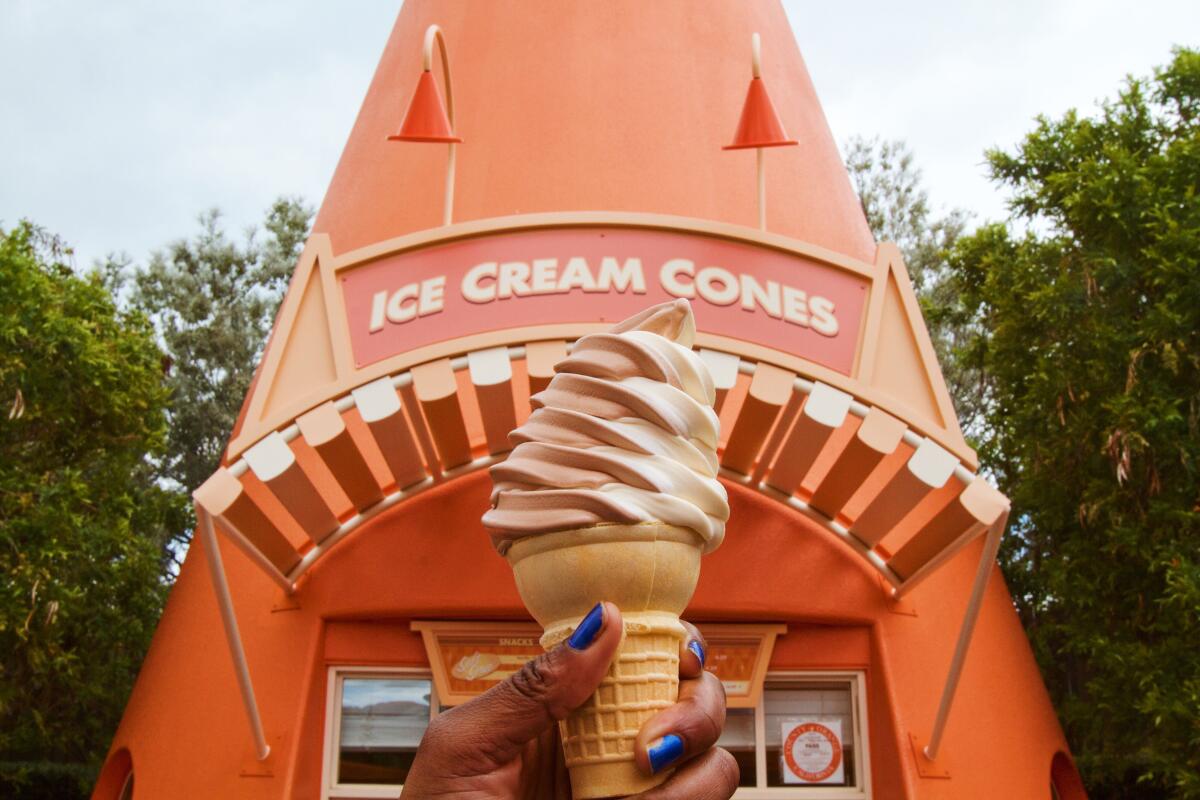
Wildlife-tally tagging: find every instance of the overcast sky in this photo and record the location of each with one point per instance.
(122, 120)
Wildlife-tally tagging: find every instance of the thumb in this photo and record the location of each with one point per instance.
(498, 723)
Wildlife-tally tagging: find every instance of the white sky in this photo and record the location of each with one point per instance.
(123, 120)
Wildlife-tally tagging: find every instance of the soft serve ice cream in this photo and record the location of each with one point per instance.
(611, 493)
(625, 433)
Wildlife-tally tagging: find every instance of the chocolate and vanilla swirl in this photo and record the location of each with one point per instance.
(624, 433)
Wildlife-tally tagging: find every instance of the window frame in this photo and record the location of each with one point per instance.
(862, 751)
(335, 676)
(856, 680)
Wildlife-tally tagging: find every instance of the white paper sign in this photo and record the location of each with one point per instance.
(812, 751)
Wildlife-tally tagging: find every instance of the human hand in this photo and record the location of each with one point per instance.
(504, 743)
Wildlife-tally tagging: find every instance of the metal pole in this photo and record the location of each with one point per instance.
(448, 208)
(242, 543)
(990, 547)
(433, 34)
(216, 571)
(756, 71)
(762, 191)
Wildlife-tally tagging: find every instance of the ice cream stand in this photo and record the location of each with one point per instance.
(520, 175)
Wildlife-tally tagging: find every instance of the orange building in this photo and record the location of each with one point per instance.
(340, 590)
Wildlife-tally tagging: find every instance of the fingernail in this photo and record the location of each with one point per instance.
(665, 752)
(588, 628)
(697, 649)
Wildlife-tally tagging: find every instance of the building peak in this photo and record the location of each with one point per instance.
(619, 106)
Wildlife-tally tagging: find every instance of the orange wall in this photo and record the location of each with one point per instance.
(615, 106)
(430, 558)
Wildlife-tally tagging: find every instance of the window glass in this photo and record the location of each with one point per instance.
(738, 739)
(382, 722)
(793, 702)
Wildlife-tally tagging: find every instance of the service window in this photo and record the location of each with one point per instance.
(807, 738)
(374, 722)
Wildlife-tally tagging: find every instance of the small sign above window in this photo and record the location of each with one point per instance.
(738, 655)
(468, 658)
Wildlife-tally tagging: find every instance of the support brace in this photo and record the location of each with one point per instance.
(216, 571)
(974, 604)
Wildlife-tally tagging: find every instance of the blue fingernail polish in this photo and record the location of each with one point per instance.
(697, 649)
(668, 749)
(588, 628)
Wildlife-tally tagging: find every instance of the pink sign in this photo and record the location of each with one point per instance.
(560, 275)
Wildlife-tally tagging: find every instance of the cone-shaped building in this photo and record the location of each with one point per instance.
(340, 589)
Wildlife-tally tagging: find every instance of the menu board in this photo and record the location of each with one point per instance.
(474, 663)
(733, 662)
(738, 655)
(468, 658)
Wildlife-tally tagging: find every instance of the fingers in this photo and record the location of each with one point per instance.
(712, 776)
(685, 729)
(692, 652)
(492, 728)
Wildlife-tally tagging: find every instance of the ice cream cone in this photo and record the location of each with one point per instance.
(611, 493)
(649, 570)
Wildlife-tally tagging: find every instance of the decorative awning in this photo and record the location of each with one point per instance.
(899, 500)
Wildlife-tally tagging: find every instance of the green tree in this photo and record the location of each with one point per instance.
(83, 522)
(891, 189)
(1086, 312)
(213, 301)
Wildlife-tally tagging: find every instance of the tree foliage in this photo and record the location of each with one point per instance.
(82, 521)
(1085, 318)
(102, 436)
(894, 199)
(213, 301)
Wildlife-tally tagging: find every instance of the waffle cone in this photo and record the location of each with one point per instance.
(649, 571)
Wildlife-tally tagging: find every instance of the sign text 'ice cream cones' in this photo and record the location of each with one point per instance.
(781, 300)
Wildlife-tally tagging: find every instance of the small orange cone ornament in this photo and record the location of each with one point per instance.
(426, 120)
(759, 125)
